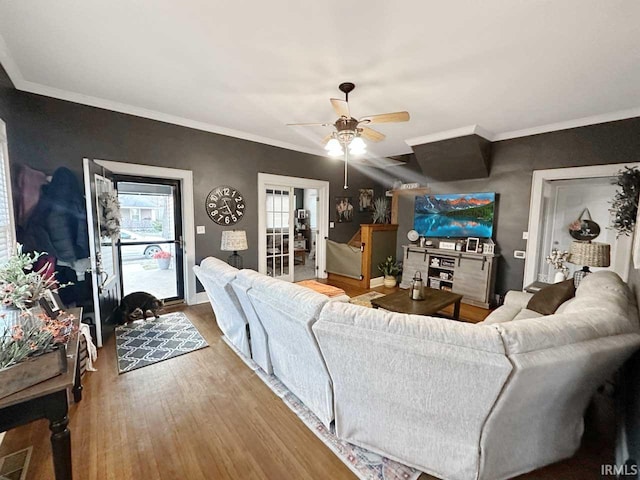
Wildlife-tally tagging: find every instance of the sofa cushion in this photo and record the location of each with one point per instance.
(525, 313)
(223, 272)
(549, 298)
(504, 313)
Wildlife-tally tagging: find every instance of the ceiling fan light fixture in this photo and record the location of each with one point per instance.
(357, 146)
(332, 144)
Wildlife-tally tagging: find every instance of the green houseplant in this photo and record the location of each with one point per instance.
(625, 203)
(381, 212)
(390, 269)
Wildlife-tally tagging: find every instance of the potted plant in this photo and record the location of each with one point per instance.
(390, 270)
(22, 286)
(381, 210)
(163, 259)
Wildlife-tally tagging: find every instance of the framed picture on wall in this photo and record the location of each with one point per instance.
(365, 200)
(344, 210)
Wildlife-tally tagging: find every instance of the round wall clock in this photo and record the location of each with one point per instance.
(225, 205)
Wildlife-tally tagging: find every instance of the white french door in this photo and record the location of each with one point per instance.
(276, 224)
(279, 210)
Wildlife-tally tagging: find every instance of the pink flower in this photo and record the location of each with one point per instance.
(18, 333)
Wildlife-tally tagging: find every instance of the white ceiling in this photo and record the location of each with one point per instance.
(246, 68)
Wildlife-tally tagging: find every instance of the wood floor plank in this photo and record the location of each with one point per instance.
(203, 415)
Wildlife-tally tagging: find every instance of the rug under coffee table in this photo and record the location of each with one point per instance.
(434, 301)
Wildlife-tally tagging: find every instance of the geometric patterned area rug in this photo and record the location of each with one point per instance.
(365, 464)
(143, 343)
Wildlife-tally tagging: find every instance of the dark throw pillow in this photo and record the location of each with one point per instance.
(549, 298)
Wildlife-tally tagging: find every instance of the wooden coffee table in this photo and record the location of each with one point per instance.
(434, 301)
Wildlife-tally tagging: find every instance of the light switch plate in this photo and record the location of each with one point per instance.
(332, 224)
(525, 235)
(201, 230)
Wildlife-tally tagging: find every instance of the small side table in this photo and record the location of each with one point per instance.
(48, 400)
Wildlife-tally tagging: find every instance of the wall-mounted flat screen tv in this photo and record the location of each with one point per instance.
(455, 215)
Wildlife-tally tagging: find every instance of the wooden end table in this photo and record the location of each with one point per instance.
(48, 400)
(434, 301)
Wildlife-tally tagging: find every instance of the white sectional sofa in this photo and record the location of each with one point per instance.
(216, 277)
(457, 400)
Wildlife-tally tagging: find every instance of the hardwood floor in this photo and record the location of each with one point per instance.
(203, 415)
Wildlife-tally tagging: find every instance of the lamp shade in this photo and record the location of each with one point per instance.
(233, 240)
(590, 254)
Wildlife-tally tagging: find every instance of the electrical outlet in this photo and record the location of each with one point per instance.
(332, 224)
(201, 230)
(521, 254)
(525, 235)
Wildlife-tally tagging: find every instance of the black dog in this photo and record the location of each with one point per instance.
(136, 305)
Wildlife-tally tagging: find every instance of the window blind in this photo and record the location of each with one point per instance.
(7, 229)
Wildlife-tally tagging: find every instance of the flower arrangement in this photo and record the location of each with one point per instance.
(625, 202)
(20, 285)
(35, 335)
(110, 215)
(557, 259)
(162, 255)
(389, 267)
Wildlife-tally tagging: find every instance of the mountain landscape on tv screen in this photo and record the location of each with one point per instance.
(455, 215)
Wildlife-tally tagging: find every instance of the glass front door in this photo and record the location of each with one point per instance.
(151, 237)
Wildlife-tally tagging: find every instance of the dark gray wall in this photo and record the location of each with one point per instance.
(512, 164)
(46, 133)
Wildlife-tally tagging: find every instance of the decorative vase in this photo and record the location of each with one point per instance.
(389, 281)
(559, 277)
(163, 263)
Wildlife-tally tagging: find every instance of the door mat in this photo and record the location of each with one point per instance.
(143, 343)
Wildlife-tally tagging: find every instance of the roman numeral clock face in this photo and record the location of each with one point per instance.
(225, 205)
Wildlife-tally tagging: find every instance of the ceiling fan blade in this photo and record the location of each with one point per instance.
(327, 138)
(341, 107)
(386, 118)
(371, 134)
(309, 124)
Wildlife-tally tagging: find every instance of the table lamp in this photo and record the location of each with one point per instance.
(232, 241)
(588, 254)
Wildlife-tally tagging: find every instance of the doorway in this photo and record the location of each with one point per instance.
(558, 197)
(293, 222)
(150, 247)
(305, 234)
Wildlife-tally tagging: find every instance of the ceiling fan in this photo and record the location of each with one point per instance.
(349, 131)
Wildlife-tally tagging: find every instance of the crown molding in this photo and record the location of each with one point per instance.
(568, 124)
(448, 134)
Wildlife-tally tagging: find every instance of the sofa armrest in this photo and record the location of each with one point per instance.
(518, 299)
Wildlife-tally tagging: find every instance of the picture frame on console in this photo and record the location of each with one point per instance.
(473, 244)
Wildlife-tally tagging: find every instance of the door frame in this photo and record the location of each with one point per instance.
(536, 207)
(322, 186)
(188, 213)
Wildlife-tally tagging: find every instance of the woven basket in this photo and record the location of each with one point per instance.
(591, 254)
